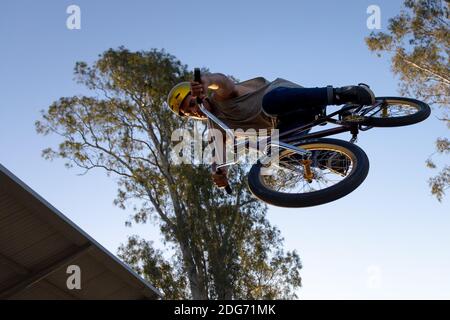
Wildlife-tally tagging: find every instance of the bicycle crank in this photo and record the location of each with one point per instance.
(308, 174)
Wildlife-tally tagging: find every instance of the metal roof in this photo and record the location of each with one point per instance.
(38, 243)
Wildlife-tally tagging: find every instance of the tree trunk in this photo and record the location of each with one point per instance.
(195, 284)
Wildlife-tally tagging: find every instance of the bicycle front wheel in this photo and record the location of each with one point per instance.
(335, 169)
(395, 112)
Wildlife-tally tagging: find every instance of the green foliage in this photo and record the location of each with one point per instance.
(441, 181)
(220, 247)
(418, 40)
(151, 264)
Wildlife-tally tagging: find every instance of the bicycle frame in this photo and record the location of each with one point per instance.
(228, 131)
(298, 133)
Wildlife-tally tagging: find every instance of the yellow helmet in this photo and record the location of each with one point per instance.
(177, 95)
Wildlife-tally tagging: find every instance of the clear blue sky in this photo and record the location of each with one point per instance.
(391, 228)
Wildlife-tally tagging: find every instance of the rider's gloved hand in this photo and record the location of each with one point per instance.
(220, 177)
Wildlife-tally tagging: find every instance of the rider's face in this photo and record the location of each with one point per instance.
(190, 108)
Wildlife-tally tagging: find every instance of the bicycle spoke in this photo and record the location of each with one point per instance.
(392, 111)
(289, 175)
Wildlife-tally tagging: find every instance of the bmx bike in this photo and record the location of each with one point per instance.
(312, 169)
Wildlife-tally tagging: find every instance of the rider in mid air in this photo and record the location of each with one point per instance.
(258, 103)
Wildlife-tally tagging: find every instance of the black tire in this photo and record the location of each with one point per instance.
(314, 198)
(422, 111)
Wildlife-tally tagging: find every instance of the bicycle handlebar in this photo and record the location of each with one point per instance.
(197, 78)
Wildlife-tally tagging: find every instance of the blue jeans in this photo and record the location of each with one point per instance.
(293, 106)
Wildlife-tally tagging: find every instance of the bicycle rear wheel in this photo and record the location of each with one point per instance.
(395, 112)
(337, 168)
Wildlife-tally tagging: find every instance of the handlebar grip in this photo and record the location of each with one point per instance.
(197, 77)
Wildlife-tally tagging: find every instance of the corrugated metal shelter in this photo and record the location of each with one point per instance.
(38, 243)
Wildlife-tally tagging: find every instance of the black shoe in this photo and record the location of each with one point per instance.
(360, 94)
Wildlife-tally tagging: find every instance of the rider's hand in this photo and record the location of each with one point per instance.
(199, 89)
(220, 177)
